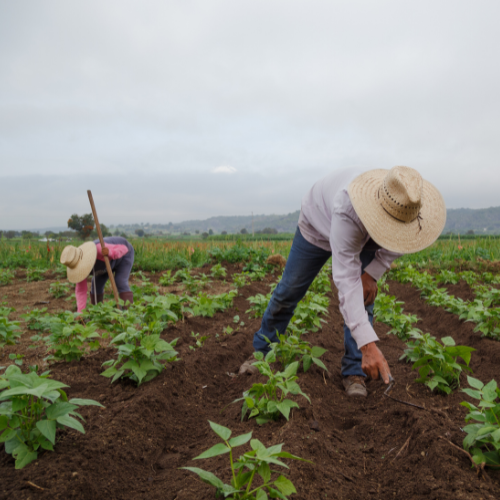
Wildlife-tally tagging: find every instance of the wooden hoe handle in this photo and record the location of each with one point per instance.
(104, 250)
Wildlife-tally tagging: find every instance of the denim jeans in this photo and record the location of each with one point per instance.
(304, 263)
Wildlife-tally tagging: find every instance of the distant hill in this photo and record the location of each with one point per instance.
(481, 220)
(231, 224)
(459, 220)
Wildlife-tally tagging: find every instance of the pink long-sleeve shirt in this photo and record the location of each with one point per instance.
(328, 220)
(81, 289)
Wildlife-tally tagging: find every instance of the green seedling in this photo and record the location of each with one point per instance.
(308, 311)
(207, 305)
(446, 277)
(32, 408)
(6, 276)
(166, 279)
(199, 341)
(141, 357)
(437, 362)
(292, 348)
(9, 331)
(182, 275)
(5, 311)
(483, 437)
(35, 274)
(388, 310)
(240, 280)
(218, 271)
(228, 330)
(69, 342)
(268, 401)
(17, 358)
(59, 289)
(257, 462)
(34, 319)
(469, 277)
(321, 283)
(258, 306)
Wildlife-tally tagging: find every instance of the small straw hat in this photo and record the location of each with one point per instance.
(79, 261)
(401, 211)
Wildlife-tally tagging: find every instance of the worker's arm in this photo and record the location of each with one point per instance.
(346, 241)
(114, 251)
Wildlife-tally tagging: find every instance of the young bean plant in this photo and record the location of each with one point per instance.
(293, 348)
(35, 319)
(9, 331)
(218, 271)
(166, 279)
(59, 289)
(6, 276)
(437, 362)
(254, 463)
(268, 401)
(483, 436)
(32, 408)
(70, 342)
(259, 304)
(141, 356)
(35, 274)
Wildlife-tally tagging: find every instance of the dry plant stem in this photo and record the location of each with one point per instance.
(35, 486)
(480, 468)
(407, 442)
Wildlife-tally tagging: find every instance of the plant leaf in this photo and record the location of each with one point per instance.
(48, 429)
(221, 431)
(240, 440)
(218, 449)
(71, 422)
(206, 476)
(285, 485)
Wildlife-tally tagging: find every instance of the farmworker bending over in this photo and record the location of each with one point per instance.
(88, 259)
(363, 221)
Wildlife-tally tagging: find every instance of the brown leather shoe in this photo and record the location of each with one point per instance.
(248, 368)
(354, 385)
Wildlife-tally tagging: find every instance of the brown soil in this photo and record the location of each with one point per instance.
(373, 448)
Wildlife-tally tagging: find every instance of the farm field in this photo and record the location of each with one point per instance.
(136, 444)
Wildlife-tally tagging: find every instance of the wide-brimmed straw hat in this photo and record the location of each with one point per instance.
(79, 261)
(401, 211)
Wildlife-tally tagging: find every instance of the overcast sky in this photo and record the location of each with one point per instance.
(177, 110)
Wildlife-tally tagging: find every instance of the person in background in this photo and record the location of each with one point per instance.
(88, 259)
(363, 221)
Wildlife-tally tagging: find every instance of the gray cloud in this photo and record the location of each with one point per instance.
(145, 99)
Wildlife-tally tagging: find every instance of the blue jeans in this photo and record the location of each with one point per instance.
(304, 263)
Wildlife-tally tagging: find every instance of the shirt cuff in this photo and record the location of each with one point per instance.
(375, 269)
(364, 334)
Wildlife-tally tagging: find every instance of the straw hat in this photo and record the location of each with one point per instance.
(401, 211)
(79, 261)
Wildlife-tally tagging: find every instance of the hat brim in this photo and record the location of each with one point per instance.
(388, 232)
(85, 264)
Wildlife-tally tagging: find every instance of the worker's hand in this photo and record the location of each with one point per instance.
(373, 362)
(105, 251)
(370, 289)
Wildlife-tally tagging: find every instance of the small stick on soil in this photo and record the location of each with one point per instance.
(480, 468)
(402, 448)
(35, 486)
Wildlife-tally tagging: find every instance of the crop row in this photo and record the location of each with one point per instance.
(439, 369)
(484, 310)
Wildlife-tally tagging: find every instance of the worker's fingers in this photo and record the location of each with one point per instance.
(385, 372)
